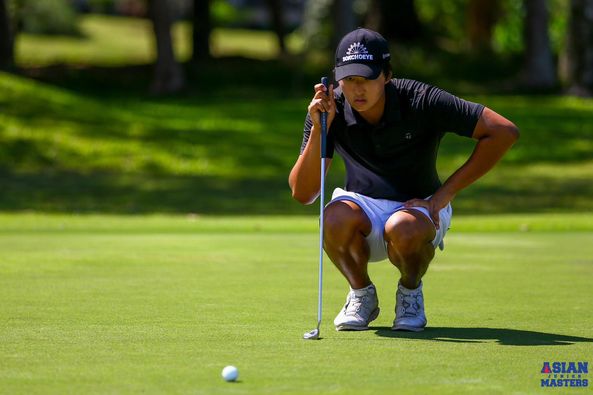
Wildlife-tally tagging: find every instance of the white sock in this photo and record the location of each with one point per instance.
(407, 291)
(363, 291)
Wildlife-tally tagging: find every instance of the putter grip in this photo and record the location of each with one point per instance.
(325, 82)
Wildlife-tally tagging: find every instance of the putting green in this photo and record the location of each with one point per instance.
(103, 304)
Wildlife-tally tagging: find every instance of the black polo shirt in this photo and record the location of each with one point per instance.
(396, 159)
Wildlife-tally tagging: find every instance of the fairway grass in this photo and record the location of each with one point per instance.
(160, 304)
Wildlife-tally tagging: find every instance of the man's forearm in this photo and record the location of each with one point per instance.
(488, 151)
(304, 179)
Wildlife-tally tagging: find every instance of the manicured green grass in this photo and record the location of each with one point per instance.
(161, 302)
(158, 304)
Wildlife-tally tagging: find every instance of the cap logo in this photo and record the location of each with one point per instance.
(357, 51)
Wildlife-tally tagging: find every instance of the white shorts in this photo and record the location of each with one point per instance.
(379, 211)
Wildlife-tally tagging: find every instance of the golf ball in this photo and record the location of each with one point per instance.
(230, 373)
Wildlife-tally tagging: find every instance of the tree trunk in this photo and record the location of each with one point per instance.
(482, 16)
(579, 55)
(6, 38)
(395, 20)
(538, 67)
(275, 9)
(202, 27)
(168, 75)
(374, 16)
(344, 19)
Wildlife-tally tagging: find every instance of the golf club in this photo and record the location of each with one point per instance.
(314, 334)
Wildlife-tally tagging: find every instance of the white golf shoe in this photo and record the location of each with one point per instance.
(362, 307)
(409, 309)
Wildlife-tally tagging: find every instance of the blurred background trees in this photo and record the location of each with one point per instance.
(544, 45)
(135, 106)
(168, 76)
(539, 70)
(201, 28)
(578, 56)
(6, 38)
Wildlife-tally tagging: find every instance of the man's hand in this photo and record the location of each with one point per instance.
(495, 135)
(322, 102)
(434, 205)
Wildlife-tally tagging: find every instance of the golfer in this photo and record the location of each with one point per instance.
(393, 206)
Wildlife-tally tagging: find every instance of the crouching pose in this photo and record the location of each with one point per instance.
(393, 206)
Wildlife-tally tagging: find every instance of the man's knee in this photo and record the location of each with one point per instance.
(407, 233)
(342, 219)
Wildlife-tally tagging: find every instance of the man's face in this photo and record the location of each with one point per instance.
(363, 94)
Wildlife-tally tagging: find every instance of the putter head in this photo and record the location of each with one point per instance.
(313, 335)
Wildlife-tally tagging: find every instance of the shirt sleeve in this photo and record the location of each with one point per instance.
(307, 132)
(449, 113)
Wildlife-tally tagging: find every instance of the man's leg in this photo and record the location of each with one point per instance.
(346, 227)
(409, 236)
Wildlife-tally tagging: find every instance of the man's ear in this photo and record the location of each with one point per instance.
(388, 77)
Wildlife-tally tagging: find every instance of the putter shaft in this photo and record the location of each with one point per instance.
(314, 334)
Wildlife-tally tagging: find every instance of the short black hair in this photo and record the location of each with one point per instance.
(387, 69)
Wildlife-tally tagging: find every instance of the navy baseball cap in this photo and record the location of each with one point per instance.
(362, 53)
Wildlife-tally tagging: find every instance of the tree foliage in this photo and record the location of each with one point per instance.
(45, 16)
(501, 29)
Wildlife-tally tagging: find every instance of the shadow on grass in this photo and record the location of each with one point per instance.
(227, 144)
(219, 77)
(503, 336)
(139, 193)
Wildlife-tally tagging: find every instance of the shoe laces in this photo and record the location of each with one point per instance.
(357, 304)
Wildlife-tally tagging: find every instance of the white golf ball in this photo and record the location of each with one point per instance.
(230, 373)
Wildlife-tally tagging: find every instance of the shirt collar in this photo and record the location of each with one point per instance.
(391, 114)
